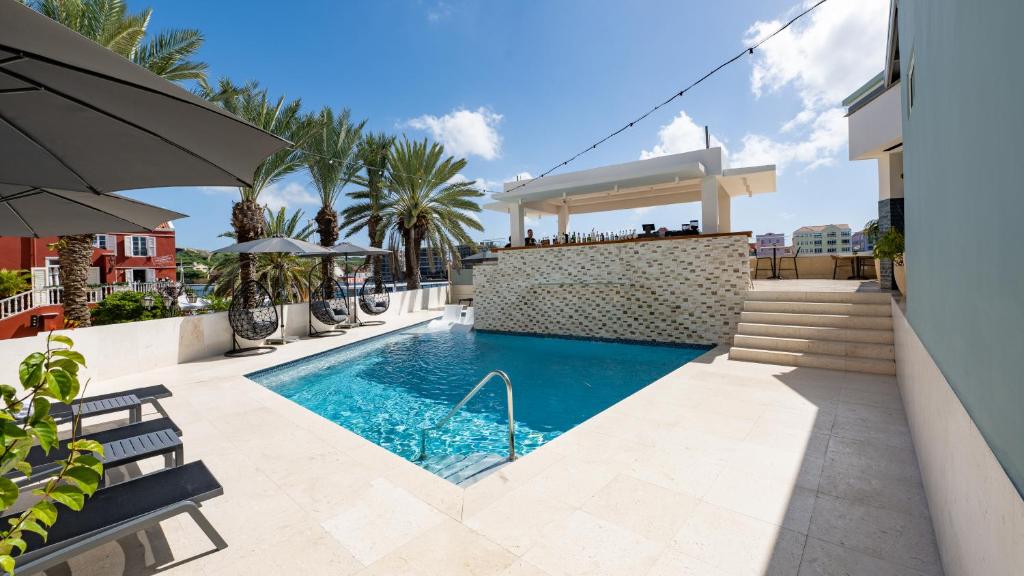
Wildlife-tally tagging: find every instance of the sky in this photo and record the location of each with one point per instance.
(517, 87)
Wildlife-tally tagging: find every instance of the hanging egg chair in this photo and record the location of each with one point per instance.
(252, 316)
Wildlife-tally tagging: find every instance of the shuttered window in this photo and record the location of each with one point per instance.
(141, 246)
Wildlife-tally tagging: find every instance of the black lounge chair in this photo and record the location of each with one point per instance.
(130, 401)
(122, 445)
(124, 509)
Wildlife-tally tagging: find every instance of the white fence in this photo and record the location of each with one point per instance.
(53, 295)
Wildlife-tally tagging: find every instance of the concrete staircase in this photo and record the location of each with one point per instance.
(837, 330)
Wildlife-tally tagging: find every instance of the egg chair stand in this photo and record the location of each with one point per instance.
(252, 316)
(374, 300)
(328, 303)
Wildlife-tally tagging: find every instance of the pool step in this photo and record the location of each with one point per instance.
(463, 469)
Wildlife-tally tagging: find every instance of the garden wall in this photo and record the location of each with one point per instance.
(119, 349)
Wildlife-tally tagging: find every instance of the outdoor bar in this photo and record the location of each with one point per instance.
(672, 285)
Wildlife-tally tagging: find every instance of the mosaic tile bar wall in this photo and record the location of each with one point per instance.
(681, 290)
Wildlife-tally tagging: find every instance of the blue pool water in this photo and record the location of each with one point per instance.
(388, 388)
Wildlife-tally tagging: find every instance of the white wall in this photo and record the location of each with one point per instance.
(121, 349)
(977, 513)
(877, 126)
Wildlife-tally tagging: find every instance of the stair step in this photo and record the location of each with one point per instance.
(836, 308)
(809, 360)
(830, 297)
(828, 320)
(806, 345)
(461, 469)
(816, 333)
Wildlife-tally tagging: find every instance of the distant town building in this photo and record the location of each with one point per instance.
(765, 243)
(825, 239)
(861, 242)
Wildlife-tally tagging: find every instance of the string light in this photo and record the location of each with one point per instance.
(748, 51)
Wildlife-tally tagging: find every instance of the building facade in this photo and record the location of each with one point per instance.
(116, 257)
(825, 239)
(861, 242)
(765, 242)
(943, 121)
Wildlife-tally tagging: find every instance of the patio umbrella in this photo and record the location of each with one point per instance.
(275, 245)
(483, 256)
(48, 212)
(76, 116)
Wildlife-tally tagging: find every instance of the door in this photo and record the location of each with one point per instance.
(139, 275)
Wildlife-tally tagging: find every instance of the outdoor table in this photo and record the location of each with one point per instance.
(857, 260)
(775, 266)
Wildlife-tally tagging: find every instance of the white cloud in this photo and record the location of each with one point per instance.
(464, 132)
(682, 134)
(824, 58)
(438, 12)
(822, 138)
(287, 195)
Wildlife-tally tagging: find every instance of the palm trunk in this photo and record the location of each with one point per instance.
(75, 253)
(327, 228)
(247, 220)
(376, 241)
(412, 259)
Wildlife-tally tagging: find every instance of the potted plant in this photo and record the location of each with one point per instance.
(890, 247)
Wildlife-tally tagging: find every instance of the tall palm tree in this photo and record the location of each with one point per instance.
(426, 204)
(332, 163)
(278, 117)
(366, 212)
(166, 53)
(269, 269)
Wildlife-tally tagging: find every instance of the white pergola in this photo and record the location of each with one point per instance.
(696, 176)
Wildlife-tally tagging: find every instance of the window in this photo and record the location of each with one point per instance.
(140, 246)
(831, 250)
(52, 271)
(103, 242)
(910, 85)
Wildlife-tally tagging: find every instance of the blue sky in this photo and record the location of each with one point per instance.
(516, 87)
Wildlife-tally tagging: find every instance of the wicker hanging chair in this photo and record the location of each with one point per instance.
(328, 303)
(373, 299)
(252, 316)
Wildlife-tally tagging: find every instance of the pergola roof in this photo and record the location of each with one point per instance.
(671, 179)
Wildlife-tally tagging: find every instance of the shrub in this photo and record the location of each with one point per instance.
(218, 304)
(14, 281)
(44, 376)
(890, 246)
(126, 306)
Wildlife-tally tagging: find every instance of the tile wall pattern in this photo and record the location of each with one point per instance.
(685, 290)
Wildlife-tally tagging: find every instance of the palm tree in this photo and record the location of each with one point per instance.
(269, 269)
(278, 117)
(426, 204)
(332, 163)
(167, 53)
(366, 212)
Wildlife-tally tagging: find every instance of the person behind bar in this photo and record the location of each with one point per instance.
(530, 240)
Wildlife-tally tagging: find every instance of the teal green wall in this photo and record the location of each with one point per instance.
(964, 188)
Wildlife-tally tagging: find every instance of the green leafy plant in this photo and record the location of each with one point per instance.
(52, 374)
(13, 282)
(871, 231)
(890, 246)
(219, 304)
(127, 306)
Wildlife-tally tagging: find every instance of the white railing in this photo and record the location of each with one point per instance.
(53, 295)
(15, 304)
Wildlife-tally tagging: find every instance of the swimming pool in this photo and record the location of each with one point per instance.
(388, 388)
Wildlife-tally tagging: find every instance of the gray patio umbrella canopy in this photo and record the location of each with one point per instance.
(350, 249)
(44, 212)
(76, 116)
(275, 245)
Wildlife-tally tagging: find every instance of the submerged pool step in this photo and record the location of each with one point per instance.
(461, 469)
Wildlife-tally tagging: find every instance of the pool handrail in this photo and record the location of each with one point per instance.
(467, 398)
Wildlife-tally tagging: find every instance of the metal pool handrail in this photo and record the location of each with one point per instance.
(511, 418)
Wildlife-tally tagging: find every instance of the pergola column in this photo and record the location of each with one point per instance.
(709, 205)
(517, 223)
(724, 211)
(563, 218)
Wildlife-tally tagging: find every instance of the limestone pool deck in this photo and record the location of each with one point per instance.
(719, 468)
